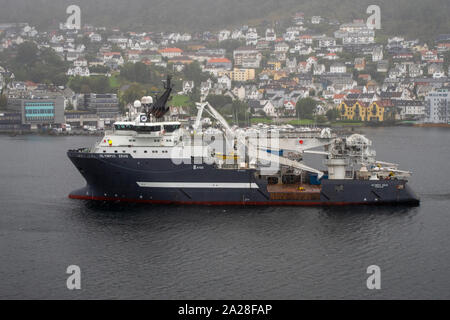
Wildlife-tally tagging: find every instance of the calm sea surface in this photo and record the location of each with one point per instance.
(168, 252)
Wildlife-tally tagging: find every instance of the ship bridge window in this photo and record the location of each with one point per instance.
(171, 127)
(148, 128)
(124, 127)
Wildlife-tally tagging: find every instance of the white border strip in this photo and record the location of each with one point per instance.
(213, 185)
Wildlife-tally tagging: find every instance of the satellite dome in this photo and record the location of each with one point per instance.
(137, 104)
(147, 100)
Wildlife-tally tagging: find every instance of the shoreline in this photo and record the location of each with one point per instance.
(348, 126)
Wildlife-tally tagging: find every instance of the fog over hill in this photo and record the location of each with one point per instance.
(411, 17)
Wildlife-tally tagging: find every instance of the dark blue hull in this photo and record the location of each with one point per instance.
(119, 177)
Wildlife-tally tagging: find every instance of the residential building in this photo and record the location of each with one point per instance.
(377, 54)
(410, 109)
(241, 75)
(219, 63)
(360, 64)
(437, 106)
(326, 42)
(377, 111)
(338, 68)
(244, 52)
(225, 81)
(171, 52)
(78, 71)
(270, 35)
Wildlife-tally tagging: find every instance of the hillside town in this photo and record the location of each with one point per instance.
(312, 71)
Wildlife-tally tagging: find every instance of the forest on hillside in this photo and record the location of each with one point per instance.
(415, 18)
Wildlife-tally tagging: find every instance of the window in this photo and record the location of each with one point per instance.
(145, 129)
(172, 127)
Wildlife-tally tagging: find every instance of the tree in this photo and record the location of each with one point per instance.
(332, 114)
(219, 101)
(240, 112)
(141, 73)
(3, 102)
(193, 72)
(27, 53)
(305, 108)
(134, 92)
(69, 106)
(97, 84)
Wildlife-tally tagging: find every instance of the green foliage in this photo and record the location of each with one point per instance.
(3, 102)
(69, 106)
(321, 119)
(219, 101)
(141, 73)
(261, 120)
(134, 92)
(93, 84)
(180, 101)
(446, 60)
(27, 53)
(305, 108)
(193, 72)
(239, 112)
(301, 122)
(99, 69)
(332, 114)
(41, 66)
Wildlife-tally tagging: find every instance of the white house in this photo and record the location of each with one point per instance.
(95, 37)
(326, 42)
(316, 19)
(79, 71)
(281, 47)
(224, 35)
(251, 37)
(338, 68)
(188, 86)
(377, 54)
(270, 35)
(319, 69)
(225, 81)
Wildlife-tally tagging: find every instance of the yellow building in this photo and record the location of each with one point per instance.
(380, 111)
(274, 65)
(240, 75)
(279, 75)
(377, 111)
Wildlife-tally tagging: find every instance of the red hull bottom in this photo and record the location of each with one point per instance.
(231, 203)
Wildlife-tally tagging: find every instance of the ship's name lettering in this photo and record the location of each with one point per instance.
(380, 185)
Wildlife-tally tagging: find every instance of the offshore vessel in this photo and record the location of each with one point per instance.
(146, 159)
